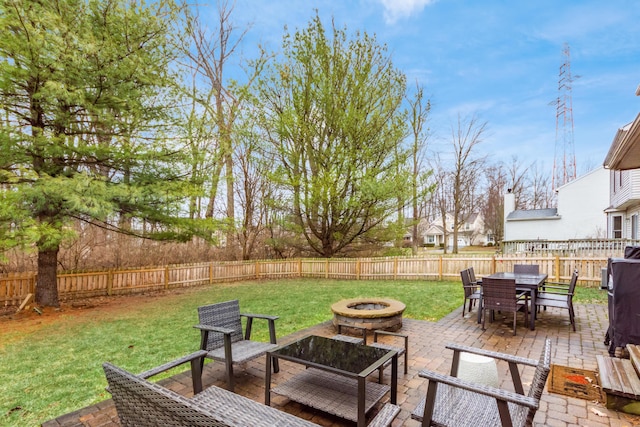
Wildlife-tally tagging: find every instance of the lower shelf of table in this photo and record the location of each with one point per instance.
(331, 393)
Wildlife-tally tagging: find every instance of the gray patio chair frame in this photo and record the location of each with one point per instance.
(221, 336)
(451, 401)
(141, 403)
(501, 295)
(559, 295)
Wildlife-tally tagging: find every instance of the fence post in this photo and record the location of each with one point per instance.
(358, 269)
(299, 267)
(493, 264)
(440, 267)
(326, 268)
(211, 273)
(395, 268)
(109, 282)
(166, 277)
(257, 270)
(557, 268)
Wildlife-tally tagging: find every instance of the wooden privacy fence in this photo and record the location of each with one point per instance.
(15, 287)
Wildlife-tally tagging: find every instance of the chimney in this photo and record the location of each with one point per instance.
(509, 206)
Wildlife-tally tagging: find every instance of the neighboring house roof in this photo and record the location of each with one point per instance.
(435, 229)
(531, 214)
(625, 149)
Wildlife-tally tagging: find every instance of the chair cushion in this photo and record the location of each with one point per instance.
(241, 351)
(460, 408)
(240, 411)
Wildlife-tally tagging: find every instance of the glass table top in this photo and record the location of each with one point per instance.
(341, 355)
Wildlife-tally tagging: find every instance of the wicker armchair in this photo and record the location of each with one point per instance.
(559, 295)
(451, 401)
(501, 294)
(221, 336)
(141, 403)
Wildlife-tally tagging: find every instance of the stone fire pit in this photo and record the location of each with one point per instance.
(369, 313)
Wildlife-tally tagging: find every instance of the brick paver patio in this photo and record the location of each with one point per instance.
(427, 342)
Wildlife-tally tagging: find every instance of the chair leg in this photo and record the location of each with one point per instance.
(230, 382)
(572, 318)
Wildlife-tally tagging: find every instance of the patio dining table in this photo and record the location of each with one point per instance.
(524, 282)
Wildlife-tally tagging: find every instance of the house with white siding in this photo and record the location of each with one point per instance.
(580, 213)
(623, 160)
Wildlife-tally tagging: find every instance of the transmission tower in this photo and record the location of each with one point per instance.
(564, 161)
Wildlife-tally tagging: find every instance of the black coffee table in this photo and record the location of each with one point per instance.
(336, 379)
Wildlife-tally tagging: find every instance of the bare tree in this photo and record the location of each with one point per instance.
(466, 135)
(441, 200)
(517, 181)
(492, 201)
(541, 194)
(210, 51)
(419, 109)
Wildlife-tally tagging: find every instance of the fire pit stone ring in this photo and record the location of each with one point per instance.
(368, 313)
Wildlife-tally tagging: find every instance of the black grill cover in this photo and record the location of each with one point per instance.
(624, 303)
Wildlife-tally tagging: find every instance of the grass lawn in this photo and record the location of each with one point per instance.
(52, 367)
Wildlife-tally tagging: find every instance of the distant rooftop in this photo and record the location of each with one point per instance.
(523, 215)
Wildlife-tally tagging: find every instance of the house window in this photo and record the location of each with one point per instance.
(617, 227)
(634, 226)
(431, 238)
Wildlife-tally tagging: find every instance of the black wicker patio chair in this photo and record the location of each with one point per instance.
(221, 336)
(526, 269)
(451, 401)
(472, 292)
(501, 295)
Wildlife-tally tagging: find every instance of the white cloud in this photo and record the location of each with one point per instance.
(397, 9)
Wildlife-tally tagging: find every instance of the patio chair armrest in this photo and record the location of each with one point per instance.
(499, 394)
(493, 354)
(209, 328)
(554, 292)
(382, 332)
(405, 337)
(260, 316)
(270, 319)
(170, 365)
(362, 330)
(385, 416)
(560, 284)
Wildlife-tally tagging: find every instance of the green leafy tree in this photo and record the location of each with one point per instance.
(84, 98)
(331, 109)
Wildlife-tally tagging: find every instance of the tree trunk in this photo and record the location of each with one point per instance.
(47, 282)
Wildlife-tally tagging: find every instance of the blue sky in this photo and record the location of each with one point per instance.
(498, 59)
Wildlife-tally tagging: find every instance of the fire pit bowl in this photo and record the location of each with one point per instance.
(368, 313)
